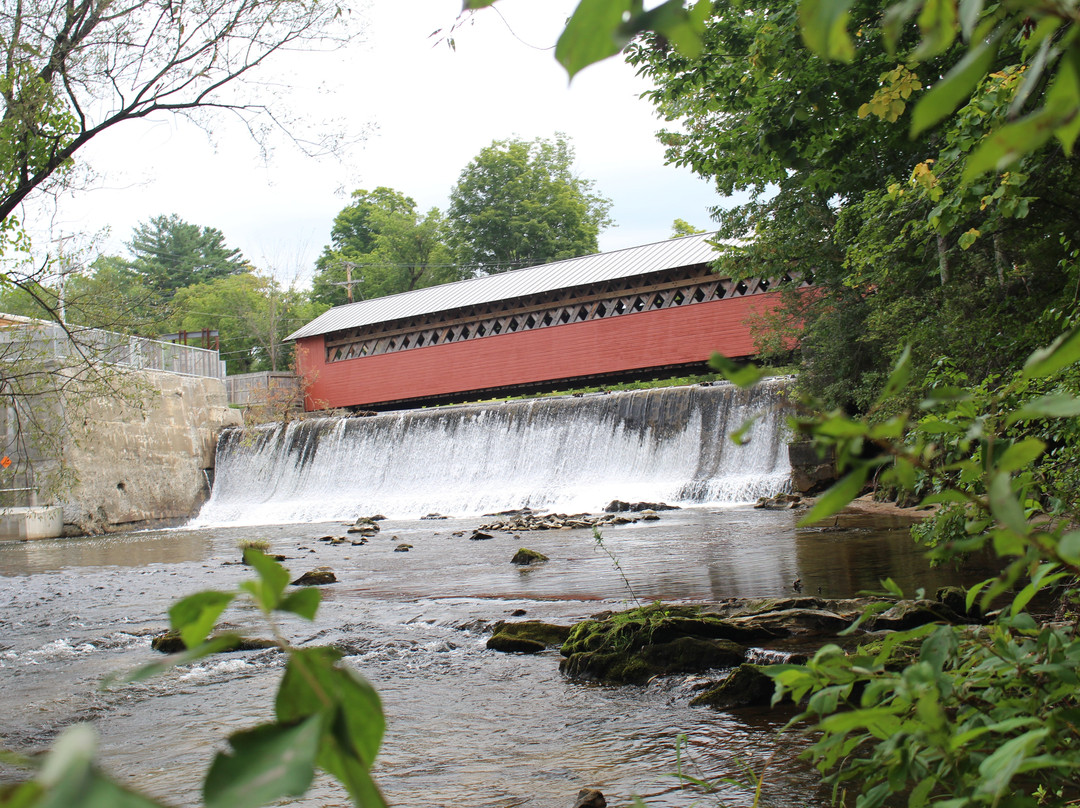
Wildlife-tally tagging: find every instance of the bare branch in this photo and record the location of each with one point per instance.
(75, 69)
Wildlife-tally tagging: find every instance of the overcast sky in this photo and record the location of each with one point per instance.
(426, 109)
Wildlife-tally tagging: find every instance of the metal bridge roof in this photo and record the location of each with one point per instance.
(582, 271)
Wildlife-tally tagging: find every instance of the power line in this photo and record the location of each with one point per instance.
(522, 262)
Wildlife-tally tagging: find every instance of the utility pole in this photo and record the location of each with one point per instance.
(62, 261)
(348, 282)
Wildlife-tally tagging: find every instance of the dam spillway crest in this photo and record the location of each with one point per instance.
(570, 454)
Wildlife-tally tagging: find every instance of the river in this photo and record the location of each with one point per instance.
(466, 726)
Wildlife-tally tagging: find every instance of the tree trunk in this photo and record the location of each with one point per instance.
(943, 260)
(999, 259)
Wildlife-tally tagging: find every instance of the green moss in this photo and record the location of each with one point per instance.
(507, 635)
(262, 545)
(637, 644)
(748, 685)
(526, 556)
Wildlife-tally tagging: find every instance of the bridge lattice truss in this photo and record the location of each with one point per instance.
(669, 289)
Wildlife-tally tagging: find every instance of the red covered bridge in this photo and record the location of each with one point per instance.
(644, 312)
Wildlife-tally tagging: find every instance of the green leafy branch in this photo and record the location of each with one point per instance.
(1047, 105)
(599, 538)
(325, 717)
(954, 716)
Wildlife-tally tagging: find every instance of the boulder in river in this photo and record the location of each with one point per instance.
(554, 521)
(320, 576)
(527, 636)
(617, 505)
(403, 548)
(908, 614)
(590, 798)
(170, 642)
(367, 525)
(635, 645)
(525, 556)
(780, 502)
(514, 645)
(747, 686)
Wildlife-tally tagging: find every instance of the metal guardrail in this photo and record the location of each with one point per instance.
(53, 342)
(8, 498)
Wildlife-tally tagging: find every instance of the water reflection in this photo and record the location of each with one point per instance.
(119, 550)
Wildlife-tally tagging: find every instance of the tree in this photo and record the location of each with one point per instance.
(70, 72)
(113, 297)
(681, 227)
(352, 239)
(518, 203)
(74, 70)
(1048, 33)
(252, 314)
(171, 254)
(903, 246)
(410, 251)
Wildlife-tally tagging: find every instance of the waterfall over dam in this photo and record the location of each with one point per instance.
(569, 454)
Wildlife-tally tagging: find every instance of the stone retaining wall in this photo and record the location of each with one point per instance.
(144, 463)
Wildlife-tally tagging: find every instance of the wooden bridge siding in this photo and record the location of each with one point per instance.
(671, 336)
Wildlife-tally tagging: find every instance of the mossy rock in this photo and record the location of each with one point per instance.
(909, 614)
(514, 645)
(747, 686)
(657, 623)
(171, 643)
(635, 645)
(955, 597)
(525, 556)
(684, 655)
(792, 622)
(320, 576)
(527, 636)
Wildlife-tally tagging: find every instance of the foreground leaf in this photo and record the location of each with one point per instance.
(316, 683)
(898, 379)
(194, 616)
(1000, 767)
(69, 778)
(742, 376)
(1054, 405)
(839, 495)
(213, 646)
(946, 95)
(1021, 454)
(1058, 354)
(303, 602)
(265, 764)
(591, 34)
(273, 578)
(824, 28)
(1004, 505)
